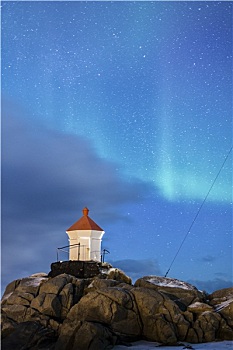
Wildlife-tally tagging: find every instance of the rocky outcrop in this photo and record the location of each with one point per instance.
(182, 293)
(69, 313)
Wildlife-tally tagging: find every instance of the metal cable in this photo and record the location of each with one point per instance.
(198, 212)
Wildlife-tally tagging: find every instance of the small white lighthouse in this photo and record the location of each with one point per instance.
(85, 238)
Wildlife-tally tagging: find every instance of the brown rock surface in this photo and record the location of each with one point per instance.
(182, 293)
(198, 308)
(30, 335)
(69, 313)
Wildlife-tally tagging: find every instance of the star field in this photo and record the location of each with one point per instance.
(147, 87)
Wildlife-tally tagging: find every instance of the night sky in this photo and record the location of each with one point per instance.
(126, 108)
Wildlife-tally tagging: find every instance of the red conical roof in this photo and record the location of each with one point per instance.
(85, 223)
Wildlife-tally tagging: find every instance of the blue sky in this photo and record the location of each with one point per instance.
(126, 108)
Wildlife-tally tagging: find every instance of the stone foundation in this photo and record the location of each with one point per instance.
(79, 269)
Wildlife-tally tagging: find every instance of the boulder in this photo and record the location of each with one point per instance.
(30, 335)
(113, 307)
(67, 334)
(40, 299)
(69, 313)
(220, 295)
(118, 275)
(47, 304)
(19, 298)
(155, 326)
(10, 288)
(15, 312)
(182, 293)
(7, 325)
(88, 335)
(205, 328)
(56, 284)
(30, 285)
(161, 318)
(222, 301)
(225, 309)
(199, 308)
(97, 284)
(34, 315)
(224, 332)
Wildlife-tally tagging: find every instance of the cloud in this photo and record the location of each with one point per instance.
(209, 258)
(221, 274)
(52, 175)
(138, 268)
(47, 178)
(211, 285)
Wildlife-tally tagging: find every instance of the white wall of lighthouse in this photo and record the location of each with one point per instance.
(85, 238)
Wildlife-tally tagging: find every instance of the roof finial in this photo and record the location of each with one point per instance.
(85, 211)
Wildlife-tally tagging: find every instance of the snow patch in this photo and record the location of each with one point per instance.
(33, 281)
(223, 305)
(170, 282)
(39, 274)
(6, 296)
(143, 345)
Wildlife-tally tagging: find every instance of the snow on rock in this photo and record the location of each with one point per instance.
(32, 281)
(182, 292)
(112, 311)
(143, 345)
(117, 274)
(28, 284)
(39, 274)
(198, 307)
(222, 301)
(221, 295)
(169, 282)
(223, 305)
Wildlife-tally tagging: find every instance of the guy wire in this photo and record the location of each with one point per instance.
(198, 212)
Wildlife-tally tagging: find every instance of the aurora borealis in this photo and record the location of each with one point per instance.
(124, 107)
